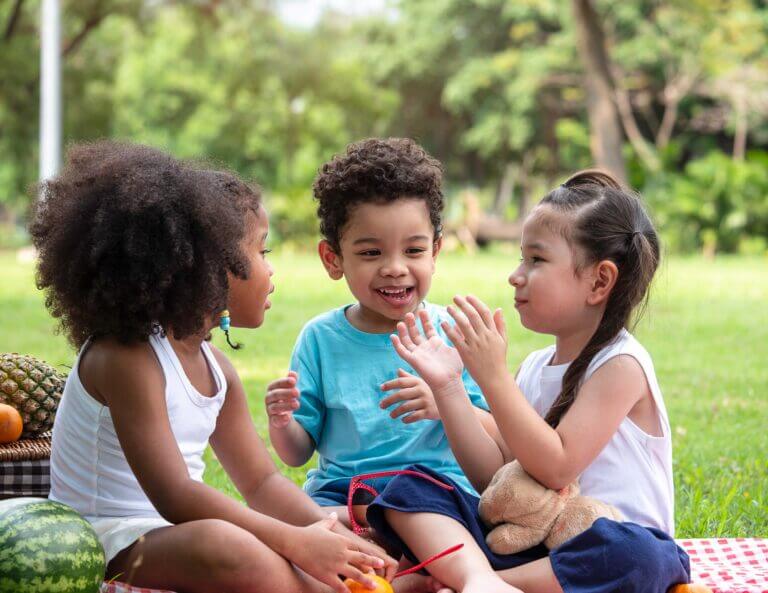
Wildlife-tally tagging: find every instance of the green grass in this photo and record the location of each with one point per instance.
(706, 328)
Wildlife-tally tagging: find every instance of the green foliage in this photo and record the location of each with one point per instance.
(716, 204)
(493, 88)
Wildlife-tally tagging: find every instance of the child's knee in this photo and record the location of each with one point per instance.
(636, 550)
(234, 558)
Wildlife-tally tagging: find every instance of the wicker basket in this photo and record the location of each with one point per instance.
(27, 449)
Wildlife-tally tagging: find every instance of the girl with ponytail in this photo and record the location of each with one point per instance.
(589, 407)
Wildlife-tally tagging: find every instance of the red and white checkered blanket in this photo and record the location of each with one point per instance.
(727, 565)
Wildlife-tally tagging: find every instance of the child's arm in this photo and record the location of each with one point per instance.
(292, 443)
(470, 434)
(555, 457)
(245, 458)
(131, 383)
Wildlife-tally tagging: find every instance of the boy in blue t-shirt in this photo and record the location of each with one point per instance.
(348, 394)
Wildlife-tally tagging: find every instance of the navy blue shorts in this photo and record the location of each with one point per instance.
(608, 557)
(334, 494)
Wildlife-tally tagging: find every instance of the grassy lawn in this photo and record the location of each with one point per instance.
(706, 328)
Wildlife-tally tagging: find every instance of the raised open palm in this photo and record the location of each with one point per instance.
(429, 355)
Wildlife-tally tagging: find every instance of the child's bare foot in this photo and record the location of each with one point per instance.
(488, 583)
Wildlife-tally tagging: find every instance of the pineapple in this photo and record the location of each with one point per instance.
(34, 388)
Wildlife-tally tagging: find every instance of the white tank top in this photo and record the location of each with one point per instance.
(634, 470)
(89, 471)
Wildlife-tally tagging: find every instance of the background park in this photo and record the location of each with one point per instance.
(511, 95)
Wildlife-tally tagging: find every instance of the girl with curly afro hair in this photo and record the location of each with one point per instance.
(139, 256)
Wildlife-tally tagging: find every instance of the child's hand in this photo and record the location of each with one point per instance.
(282, 399)
(326, 555)
(479, 336)
(419, 403)
(390, 566)
(436, 362)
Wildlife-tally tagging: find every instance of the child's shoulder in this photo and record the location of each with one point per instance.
(107, 361)
(536, 359)
(324, 321)
(329, 325)
(624, 345)
(109, 353)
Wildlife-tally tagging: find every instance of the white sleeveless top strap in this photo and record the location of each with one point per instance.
(89, 471)
(634, 470)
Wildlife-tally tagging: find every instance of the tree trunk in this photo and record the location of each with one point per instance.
(505, 191)
(549, 117)
(643, 150)
(604, 124)
(740, 134)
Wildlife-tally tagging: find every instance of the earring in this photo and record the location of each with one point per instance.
(224, 326)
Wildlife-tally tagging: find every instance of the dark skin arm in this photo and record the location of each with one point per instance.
(245, 458)
(129, 380)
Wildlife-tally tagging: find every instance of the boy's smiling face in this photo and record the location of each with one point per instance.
(387, 257)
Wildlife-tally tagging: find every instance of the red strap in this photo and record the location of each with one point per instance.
(357, 483)
(421, 565)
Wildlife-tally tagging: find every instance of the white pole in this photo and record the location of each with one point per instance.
(50, 89)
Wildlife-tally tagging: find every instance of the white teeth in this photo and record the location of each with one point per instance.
(394, 292)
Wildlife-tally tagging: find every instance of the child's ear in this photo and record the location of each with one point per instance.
(603, 280)
(331, 260)
(437, 246)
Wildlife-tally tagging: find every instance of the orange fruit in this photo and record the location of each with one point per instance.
(690, 588)
(382, 585)
(10, 424)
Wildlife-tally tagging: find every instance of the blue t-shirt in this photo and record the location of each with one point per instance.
(341, 370)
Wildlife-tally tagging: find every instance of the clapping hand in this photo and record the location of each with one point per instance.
(436, 362)
(480, 337)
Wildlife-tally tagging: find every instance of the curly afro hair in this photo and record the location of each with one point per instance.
(376, 170)
(129, 237)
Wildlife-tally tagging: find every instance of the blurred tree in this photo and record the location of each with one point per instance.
(485, 82)
(20, 77)
(605, 128)
(497, 89)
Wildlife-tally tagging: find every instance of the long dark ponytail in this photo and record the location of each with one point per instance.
(609, 222)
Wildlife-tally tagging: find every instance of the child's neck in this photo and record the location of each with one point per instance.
(568, 345)
(188, 346)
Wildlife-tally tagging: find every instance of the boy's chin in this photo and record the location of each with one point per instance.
(399, 315)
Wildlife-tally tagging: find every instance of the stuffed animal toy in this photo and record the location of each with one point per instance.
(525, 513)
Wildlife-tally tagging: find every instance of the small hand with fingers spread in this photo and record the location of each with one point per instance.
(282, 400)
(415, 398)
(436, 362)
(480, 338)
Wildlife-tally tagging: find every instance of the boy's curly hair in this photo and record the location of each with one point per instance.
(376, 170)
(129, 237)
